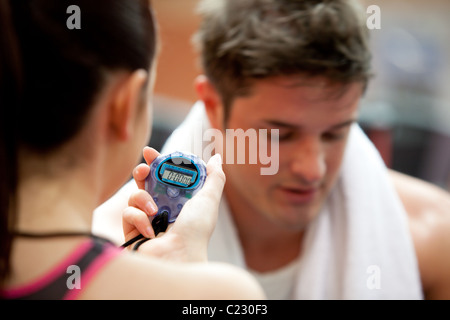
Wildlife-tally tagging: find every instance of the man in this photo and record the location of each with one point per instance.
(333, 222)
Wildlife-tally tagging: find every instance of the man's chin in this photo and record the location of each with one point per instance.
(296, 217)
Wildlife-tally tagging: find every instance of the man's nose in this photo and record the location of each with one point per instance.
(308, 162)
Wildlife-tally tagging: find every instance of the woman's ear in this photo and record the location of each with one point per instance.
(125, 104)
(212, 101)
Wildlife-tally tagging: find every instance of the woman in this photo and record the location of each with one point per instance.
(75, 116)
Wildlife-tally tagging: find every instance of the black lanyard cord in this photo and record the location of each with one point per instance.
(159, 224)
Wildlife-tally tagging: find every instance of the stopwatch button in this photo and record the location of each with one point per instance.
(173, 192)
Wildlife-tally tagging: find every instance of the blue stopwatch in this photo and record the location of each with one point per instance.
(174, 179)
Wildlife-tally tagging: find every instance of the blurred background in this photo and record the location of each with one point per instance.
(406, 110)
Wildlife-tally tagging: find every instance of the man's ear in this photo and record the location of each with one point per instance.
(125, 104)
(212, 101)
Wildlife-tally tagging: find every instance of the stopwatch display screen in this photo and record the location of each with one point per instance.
(178, 175)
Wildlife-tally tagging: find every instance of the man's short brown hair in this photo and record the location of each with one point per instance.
(245, 40)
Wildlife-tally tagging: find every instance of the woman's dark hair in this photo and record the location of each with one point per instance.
(50, 76)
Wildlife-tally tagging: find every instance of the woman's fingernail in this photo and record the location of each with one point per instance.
(150, 233)
(217, 158)
(151, 208)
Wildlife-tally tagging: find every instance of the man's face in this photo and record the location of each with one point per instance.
(313, 120)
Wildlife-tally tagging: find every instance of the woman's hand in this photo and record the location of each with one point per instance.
(141, 207)
(187, 238)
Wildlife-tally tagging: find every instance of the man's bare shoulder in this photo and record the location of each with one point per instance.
(428, 209)
(420, 197)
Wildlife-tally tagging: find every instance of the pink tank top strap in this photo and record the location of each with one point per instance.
(69, 277)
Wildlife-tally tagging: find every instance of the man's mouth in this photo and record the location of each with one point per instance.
(298, 195)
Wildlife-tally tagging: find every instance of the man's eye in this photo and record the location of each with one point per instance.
(283, 135)
(333, 136)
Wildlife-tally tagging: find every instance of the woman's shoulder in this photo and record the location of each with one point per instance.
(136, 276)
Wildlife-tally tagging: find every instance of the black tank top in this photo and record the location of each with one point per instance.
(68, 279)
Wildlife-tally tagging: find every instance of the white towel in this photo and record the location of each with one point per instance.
(358, 247)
